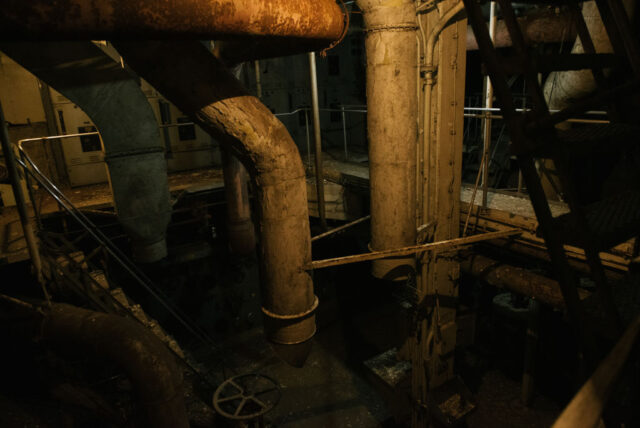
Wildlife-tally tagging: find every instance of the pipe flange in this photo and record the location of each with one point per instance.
(291, 329)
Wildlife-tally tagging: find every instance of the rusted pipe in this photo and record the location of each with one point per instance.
(544, 27)
(156, 378)
(392, 126)
(189, 76)
(563, 88)
(516, 279)
(146, 19)
(242, 238)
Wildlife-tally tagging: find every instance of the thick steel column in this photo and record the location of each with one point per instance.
(304, 20)
(134, 152)
(242, 238)
(392, 128)
(200, 86)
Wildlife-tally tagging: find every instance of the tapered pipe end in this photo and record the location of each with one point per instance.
(144, 252)
(291, 335)
(294, 355)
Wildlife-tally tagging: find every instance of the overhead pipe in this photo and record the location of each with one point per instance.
(539, 27)
(188, 75)
(134, 151)
(318, 20)
(392, 126)
(152, 369)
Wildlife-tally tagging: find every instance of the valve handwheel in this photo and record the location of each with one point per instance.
(246, 396)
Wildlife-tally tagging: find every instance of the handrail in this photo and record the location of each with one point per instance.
(32, 169)
(585, 409)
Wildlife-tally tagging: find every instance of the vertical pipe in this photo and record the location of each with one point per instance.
(531, 347)
(344, 133)
(392, 125)
(488, 103)
(306, 128)
(317, 139)
(21, 205)
(256, 66)
(242, 240)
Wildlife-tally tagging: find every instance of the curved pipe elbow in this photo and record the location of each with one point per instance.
(200, 86)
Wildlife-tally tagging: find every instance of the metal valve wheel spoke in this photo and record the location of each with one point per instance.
(237, 397)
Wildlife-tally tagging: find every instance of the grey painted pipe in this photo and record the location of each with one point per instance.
(134, 152)
(200, 86)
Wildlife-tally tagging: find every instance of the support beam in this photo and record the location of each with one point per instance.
(585, 410)
(447, 245)
(21, 204)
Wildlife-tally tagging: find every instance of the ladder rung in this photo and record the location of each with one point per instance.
(611, 221)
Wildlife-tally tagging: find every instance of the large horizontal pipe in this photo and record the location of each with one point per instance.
(153, 371)
(195, 19)
(516, 279)
(545, 27)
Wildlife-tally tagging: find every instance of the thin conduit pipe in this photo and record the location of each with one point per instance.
(428, 49)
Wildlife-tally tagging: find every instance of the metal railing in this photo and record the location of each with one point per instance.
(343, 110)
(32, 171)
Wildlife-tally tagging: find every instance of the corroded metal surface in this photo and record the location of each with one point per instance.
(198, 19)
(200, 86)
(392, 126)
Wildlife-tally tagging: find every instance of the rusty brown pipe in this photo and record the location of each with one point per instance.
(152, 20)
(189, 76)
(153, 371)
(242, 239)
(540, 27)
(516, 279)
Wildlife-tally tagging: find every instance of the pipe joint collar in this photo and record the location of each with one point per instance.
(291, 329)
(135, 152)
